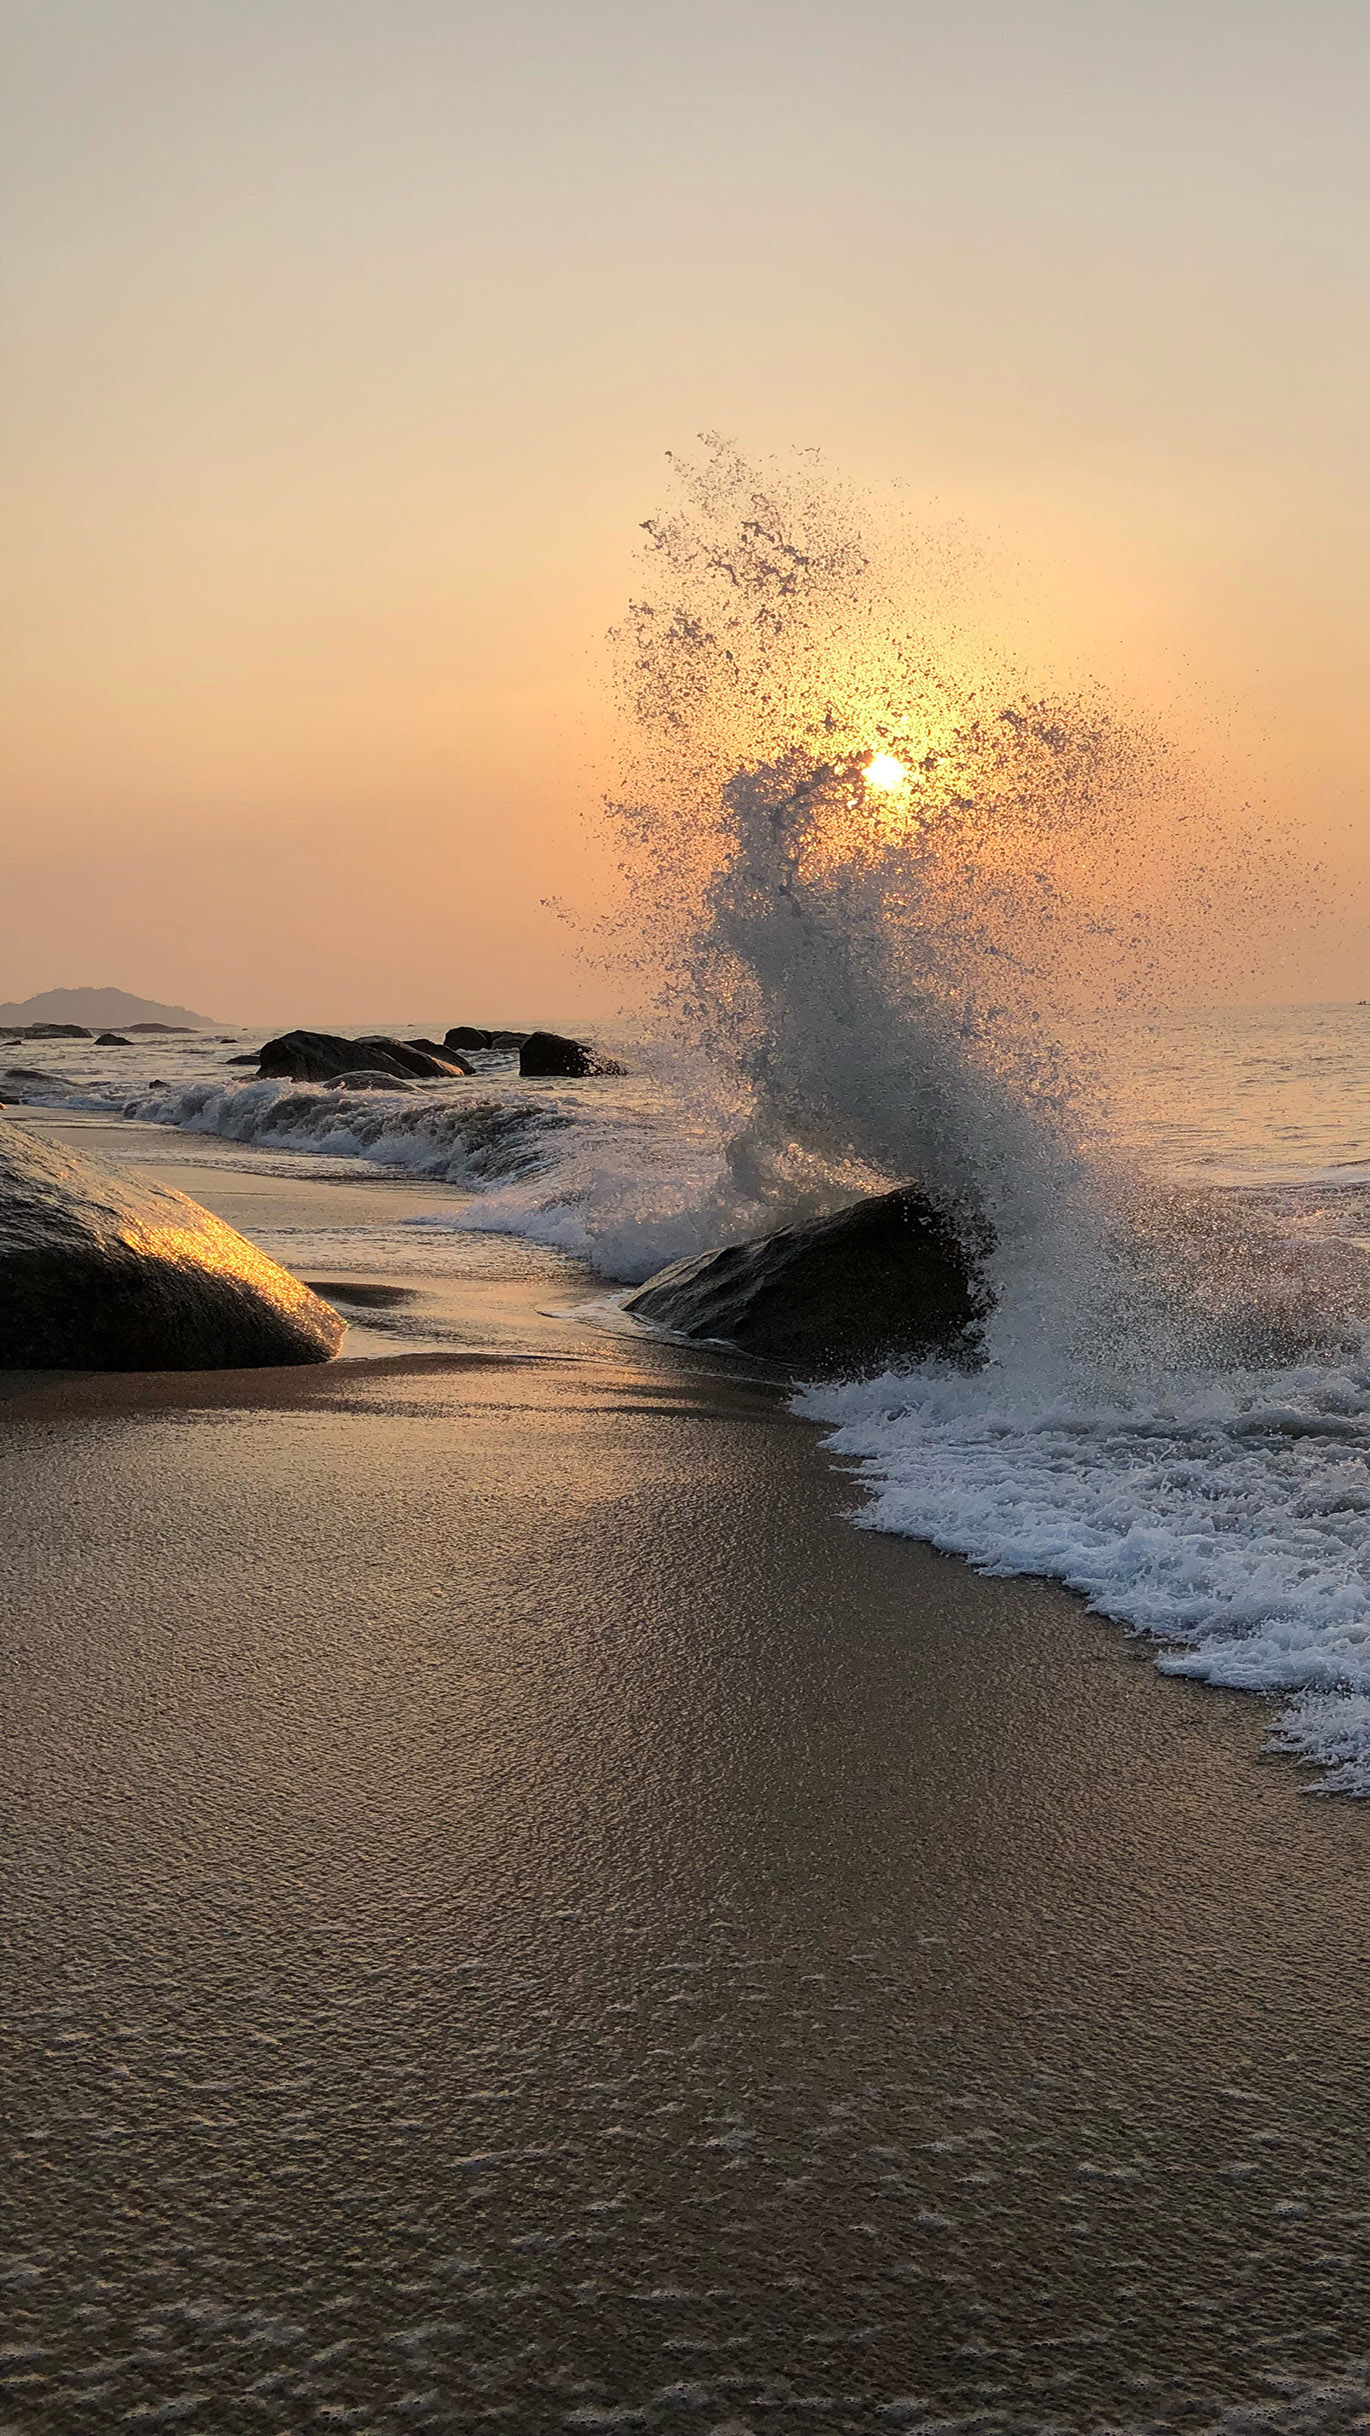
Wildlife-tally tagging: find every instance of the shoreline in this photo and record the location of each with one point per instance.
(516, 1906)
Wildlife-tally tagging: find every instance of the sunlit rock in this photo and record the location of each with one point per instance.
(101, 1269)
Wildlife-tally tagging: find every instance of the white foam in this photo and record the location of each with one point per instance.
(1230, 1520)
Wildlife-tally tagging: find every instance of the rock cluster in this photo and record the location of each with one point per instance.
(103, 1270)
(326, 1057)
(45, 1031)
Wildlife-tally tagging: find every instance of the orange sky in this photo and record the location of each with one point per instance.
(347, 338)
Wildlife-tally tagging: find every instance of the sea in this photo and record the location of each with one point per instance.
(1180, 1433)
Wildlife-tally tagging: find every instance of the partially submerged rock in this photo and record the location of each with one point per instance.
(101, 1269)
(549, 1053)
(468, 1036)
(323, 1057)
(893, 1279)
(113, 1040)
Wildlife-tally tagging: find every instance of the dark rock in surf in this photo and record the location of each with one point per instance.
(323, 1057)
(549, 1053)
(52, 1031)
(250, 1059)
(893, 1279)
(440, 1051)
(468, 1036)
(162, 1027)
(113, 1040)
(507, 1040)
(372, 1079)
(101, 1270)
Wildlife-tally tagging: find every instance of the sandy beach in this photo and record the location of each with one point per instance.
(520, 1916)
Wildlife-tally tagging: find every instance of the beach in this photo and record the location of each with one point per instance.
(520, 1916)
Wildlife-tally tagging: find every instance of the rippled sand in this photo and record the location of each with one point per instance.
(519, 1917)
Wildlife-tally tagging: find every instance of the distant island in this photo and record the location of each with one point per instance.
(101, 1010)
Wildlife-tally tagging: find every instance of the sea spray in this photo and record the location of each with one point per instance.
(878, 881)
(882, 884)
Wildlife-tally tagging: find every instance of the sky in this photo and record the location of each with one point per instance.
(348, 339)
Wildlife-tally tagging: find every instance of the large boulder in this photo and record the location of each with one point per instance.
(548, 1053)
(101, 1269)
(53, 1031)
(468, 1036)
(323, 1057)
(507, 1040)
(892, 1280)
(113, 1040)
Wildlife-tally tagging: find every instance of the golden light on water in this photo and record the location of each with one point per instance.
(883, 771)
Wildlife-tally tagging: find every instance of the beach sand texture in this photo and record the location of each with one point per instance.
(519, 1917)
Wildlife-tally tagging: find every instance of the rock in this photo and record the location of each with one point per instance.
(892, 1280)
(321, 1057)
(113, 1040)
(161, 1027)
(507, 1040)
(104, 1270)
(250, 1059)
(441, 1054)
(549, 1053)
(51, 1031)
(468, 1036)
(366, 1080)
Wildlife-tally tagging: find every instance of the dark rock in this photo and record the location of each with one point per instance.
(507, 1040)
(102, 1270)
(893, 1279)
(161, 1027)
(549, 1053)
(468, 1036)
(113, 1040)
(373, 1079)
(250, 1059)
(322, 1057)
(52, 1031)
(442, 1054)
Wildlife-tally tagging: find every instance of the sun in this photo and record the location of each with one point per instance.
(883, 771)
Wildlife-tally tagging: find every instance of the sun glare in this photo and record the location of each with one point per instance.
(882, 770)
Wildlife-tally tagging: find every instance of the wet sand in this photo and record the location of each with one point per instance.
(519, 1916)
